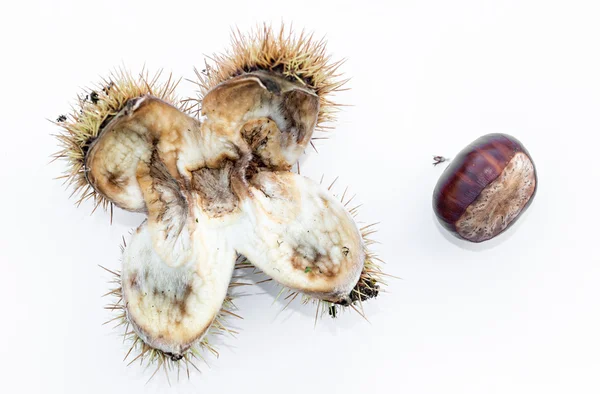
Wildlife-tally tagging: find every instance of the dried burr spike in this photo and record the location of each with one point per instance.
(486, 188)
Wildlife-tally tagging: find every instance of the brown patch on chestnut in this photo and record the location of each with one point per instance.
(133, 280)
(485, 188)
(313, 263)
(181, 303)
(264, 140)
(215, 194)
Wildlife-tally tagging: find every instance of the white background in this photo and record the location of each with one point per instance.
(519, 314)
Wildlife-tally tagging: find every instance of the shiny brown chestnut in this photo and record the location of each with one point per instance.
(485, 188)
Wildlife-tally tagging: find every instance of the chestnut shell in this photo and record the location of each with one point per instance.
(477, 166)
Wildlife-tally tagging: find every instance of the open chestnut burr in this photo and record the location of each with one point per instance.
(213, 176)
(485, 188)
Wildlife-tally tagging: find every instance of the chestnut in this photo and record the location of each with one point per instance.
(485, 188)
